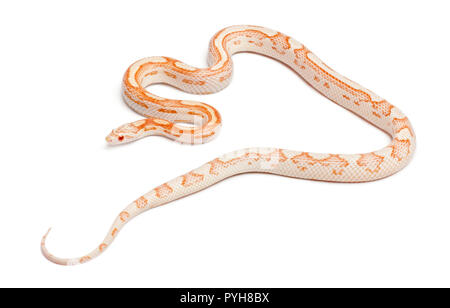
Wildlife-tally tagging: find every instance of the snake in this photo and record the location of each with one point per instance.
(194, 122)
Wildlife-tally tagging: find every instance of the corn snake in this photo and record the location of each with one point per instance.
(163, 117)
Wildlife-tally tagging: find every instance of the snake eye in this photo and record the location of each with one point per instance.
(120, 138)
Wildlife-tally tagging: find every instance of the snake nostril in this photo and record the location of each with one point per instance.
(120, 138)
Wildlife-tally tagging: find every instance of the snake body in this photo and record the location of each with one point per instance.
(163, 117)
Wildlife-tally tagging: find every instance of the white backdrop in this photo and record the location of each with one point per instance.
(61, 66)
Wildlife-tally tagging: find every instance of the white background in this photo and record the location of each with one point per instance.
(61, 65)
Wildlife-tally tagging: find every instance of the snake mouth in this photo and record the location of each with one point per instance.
(110, 138)
(113, 138)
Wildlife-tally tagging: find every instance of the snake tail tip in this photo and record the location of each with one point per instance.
(48, 231)
(48, 255)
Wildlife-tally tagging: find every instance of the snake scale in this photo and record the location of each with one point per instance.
(167, 117)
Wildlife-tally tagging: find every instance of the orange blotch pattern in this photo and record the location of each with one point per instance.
(371, 162)
(191, 178)
(163, 191)
(400, 124)
(124, 216)
(400, 149)
(141, 202)
(305, 160)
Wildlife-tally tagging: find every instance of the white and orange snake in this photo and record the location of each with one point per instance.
(163, 117)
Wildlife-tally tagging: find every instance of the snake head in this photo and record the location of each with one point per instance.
(123, 134)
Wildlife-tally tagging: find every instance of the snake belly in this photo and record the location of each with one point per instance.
(168, 117)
